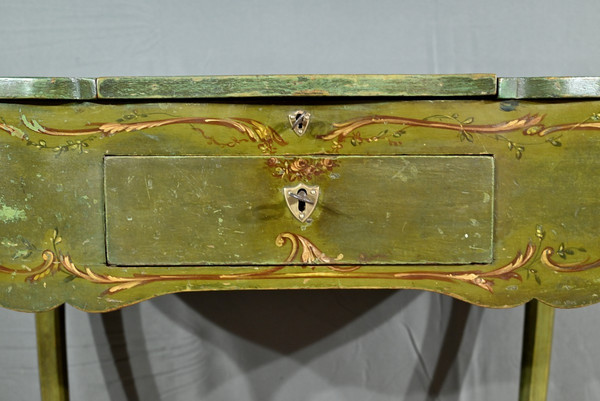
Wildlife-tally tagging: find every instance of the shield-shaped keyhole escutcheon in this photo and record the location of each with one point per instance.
(301, 200)
(299, 121)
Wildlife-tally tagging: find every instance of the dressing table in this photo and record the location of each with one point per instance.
(116, 190)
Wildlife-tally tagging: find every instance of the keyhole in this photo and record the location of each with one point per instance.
(301, 204)
(299, 120)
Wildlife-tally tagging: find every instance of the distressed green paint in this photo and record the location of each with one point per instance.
(459, 85)
(52, 355)
(8, 243)
(48, 88)
(10, 214)
(548, 87)
(187, 210)
(546, 181)
(537, 349)
(296, 85)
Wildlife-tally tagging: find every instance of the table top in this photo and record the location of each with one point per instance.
(243, 86)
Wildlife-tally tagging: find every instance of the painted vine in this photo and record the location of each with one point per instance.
(311, 257)
(531, 125)
(267, 138)
(252, 130)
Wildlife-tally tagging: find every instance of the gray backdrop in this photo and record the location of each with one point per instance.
(302, 345)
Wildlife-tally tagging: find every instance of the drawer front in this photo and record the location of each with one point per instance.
(187, 210)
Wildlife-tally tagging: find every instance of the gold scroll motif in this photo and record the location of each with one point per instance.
(254, 131)
(529, 124)
(312, 257)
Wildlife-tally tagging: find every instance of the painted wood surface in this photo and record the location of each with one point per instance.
(53, 245)
(197, 210)
(548, 87)
(195, 87)
(60, 88)
(537, 349)
(296, 85)
(52, 355)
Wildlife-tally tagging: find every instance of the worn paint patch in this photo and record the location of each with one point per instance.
(10, 214)
(406, 172)
(8, 243)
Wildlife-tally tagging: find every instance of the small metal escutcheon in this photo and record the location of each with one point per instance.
(299, 121)
(301, 200)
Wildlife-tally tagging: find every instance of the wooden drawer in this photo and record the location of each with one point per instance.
(197, 210)
(120, 197)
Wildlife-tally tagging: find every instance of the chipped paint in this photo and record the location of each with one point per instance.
(10, 214)
(8, 243)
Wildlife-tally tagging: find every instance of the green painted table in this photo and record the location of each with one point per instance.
(117, 190)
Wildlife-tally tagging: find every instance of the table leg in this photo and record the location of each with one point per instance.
(52, 360)
(537, 347)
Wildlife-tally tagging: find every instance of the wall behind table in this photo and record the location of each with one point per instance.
(329, 345)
